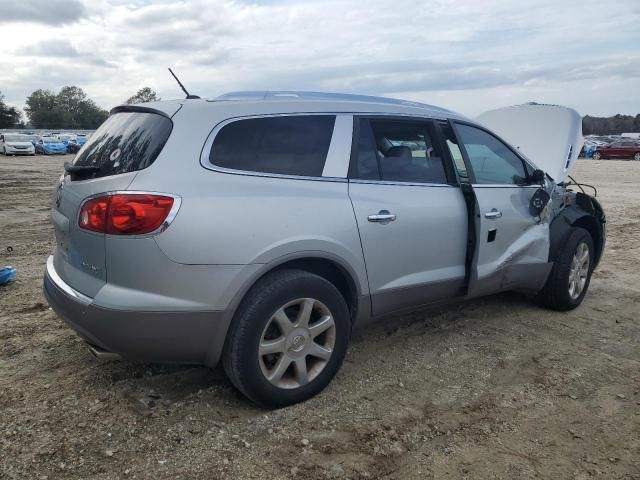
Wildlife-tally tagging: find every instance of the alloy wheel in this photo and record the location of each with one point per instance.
(579, 271)
(637, 156)
(297, 343)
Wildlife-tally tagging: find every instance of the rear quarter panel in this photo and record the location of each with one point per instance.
(239, 219)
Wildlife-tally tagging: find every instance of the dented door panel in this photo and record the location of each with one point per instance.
(512, 250)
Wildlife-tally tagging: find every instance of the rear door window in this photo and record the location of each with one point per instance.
(125, 142)
(398, 151)
(285, 145)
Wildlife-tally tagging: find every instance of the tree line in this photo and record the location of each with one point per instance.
(610, 125)
(70, 108)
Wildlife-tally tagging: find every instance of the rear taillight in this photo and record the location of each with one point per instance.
(125, 214)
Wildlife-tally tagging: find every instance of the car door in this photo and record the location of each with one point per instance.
(512, 247)
(627, 149)
(410, 212)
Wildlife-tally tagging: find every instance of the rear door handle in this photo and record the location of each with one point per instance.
(493, 214)
(383, 216)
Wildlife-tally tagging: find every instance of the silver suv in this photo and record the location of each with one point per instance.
(258, 229)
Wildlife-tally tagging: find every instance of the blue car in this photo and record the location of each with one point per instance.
(50, 146)
(81, 139)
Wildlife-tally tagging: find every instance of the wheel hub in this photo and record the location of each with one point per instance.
(297, 343)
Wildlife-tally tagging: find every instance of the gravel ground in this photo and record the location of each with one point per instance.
(492, 388)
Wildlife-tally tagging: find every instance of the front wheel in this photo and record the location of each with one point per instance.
(636, 157)
(288, 338)
(570, 276)
(597, 155)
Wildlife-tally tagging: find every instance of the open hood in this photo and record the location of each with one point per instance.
(548, 135)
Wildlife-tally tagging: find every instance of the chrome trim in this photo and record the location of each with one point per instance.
(502, 185)
(493, 214)
(177, 202)
(59, 283)
(405, 184)
(206, 149)
(382, 217)
(336, 164)
(102, 354)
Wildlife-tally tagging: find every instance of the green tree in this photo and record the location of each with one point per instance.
(41, 109)
(70, 108)
(144, 95)
(9, 116)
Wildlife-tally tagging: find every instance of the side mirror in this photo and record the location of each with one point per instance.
(538, 177)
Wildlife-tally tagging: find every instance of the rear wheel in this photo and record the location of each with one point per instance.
(569, 279)
(597, 155)
(636, 157)
(288, 339)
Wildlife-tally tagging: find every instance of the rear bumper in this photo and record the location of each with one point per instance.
(177, 337)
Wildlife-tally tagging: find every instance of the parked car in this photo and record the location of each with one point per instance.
(620, 149)
(81, 138)
(260, 229)
(50, 146)
(67, 138)
(15, 144)
(73, 147)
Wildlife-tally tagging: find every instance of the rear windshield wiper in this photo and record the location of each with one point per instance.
(77, 171)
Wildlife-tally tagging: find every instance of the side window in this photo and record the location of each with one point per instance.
(398, 151)
(286, 145)
(491, 160)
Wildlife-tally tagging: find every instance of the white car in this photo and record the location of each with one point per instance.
(15, 144)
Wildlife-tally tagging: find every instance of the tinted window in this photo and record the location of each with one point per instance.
(491, 160)
(125, 142)
(287, 145)
(400, 151)
(367, 158)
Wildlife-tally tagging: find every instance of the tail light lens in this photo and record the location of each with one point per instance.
(125, 214)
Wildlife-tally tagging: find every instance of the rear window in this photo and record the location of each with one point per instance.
(125, 142)
(286, 145)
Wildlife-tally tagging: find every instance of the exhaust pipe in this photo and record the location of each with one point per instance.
(102, 354)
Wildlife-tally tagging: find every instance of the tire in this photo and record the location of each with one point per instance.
(558, 293)
(276, 380)
(636, 156)
(596, 156)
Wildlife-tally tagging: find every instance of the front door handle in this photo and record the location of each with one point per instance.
(493, 214)
(383, 216)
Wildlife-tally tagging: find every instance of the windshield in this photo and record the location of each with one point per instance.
(50, 140)
(15, 138)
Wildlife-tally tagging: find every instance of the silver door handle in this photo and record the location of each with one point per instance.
(493, 214)
(383, 216)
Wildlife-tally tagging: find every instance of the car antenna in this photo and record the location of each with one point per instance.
(189, 96)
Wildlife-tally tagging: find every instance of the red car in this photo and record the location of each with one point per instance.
(620, 149)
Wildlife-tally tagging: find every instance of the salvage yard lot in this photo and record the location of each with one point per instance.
(493, 388)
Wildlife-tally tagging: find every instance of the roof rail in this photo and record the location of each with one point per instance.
(301, 95)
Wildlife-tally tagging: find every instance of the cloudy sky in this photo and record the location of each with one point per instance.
(467, 55)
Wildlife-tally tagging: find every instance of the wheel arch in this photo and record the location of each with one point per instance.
(586, 214)
(324, 264)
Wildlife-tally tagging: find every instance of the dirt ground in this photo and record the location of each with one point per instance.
(494, 388)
